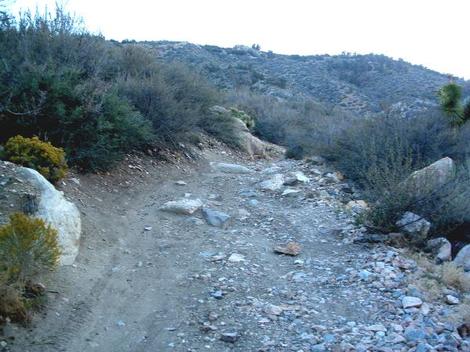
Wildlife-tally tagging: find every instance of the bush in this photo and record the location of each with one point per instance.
(295, 152)
(27, 247)
(380, 153)
(96, 99)
(48, 160)
(224, 126)
(248, 120)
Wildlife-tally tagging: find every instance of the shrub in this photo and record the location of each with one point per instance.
(12, 305)
(224, 126)
(295, 152)
(27, 247)
(248, 120)
(36, 154)
(380, 153)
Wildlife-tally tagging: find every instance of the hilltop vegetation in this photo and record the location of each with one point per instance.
(363, 84)
(94, 98)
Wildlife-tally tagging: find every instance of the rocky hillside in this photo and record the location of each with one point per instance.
(361, 83)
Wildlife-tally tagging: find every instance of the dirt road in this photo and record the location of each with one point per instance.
(147, 280)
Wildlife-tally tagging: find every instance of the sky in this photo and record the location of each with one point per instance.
(432, 33)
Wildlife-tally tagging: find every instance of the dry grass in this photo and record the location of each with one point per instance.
(433, 278)
(12, 305)
(453, 276)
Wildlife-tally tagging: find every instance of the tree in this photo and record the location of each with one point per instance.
(450, 97)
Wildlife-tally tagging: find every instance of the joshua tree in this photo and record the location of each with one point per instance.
(450, 97)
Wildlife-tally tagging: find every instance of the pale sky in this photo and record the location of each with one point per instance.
(433, 33)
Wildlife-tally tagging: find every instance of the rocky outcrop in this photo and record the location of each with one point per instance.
(41, 199)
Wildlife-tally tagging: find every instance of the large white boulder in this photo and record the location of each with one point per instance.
(433, 176)
(61, 214)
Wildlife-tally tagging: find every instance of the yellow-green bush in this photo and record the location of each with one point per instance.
(243, 116)
(36, 154)
(27, 247)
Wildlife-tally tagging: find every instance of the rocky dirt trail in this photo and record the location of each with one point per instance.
(149, 280)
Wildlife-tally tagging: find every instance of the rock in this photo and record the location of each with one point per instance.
(253, 203)
(357, 206)
(414, 334)
(431, 177)
(291, 248)
(365, 275)
(291, 192)
(440, 248)
(272, 184)
(294, 178)
(316, 160)
(215, 217)
(217, 294)
(411, 302)
(376, 328)
(54, 209)
(182, 206)
(180, 183)
(271, 309)
(463, 258)
(230, 337)
(333, 177)
(236, 258)
(414, 226)
(452, 300)
(231, 168)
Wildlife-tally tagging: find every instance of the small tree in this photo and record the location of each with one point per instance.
(450, 97)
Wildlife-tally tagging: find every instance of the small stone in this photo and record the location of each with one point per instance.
(182, 206)
(236, 258)
(218, 294)
(411, 302)
(452, 300)
(291, 248)
(414, 334)
(376, 328)
(230, 337)
(180, 183)
(215, 218)
(148, 228)
(290, 192)
(365, 275)
(120, 323)
(273, 310)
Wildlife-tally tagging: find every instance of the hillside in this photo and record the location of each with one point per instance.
(361, 83)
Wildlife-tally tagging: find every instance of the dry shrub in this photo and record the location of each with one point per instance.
(12, 305)
(454, 276)
(27, 247)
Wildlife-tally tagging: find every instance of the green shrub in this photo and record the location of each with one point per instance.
(295, 152)
(224, 127)
(248, 120)
(48, 160)
(27, 247)
(379, 154)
